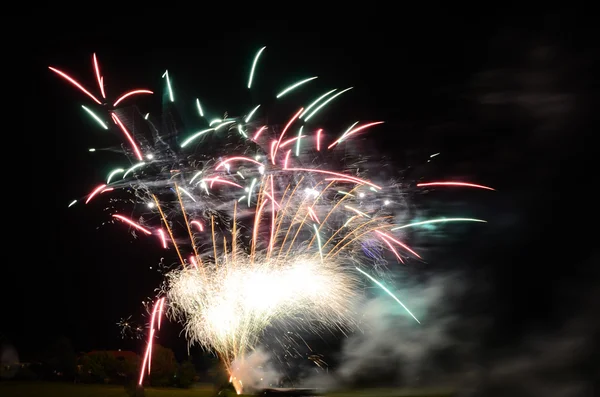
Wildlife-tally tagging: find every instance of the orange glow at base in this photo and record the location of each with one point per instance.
(237, 384)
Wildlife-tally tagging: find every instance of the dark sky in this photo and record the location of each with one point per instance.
(507, 100)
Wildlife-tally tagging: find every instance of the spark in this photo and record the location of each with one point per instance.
(132, 223)
(439, 221)
(353, 131)
(130, 93)
(133, 168)
(94, 193)
(390, 293)
(318, 139)
(199, 107)
(99, 78)
(247, 119)
(463, 184)
(194, 136)
(128, 136)
(294, 86)
(95, 117)
(254, 66)
(314, 103)
(258, 132)
(224, 124)
(113, 173)
(325, 103)
(166, 76)
(75, 83)
(196, 175)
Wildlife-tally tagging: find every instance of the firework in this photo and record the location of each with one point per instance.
(130, 329)
(228, 307)
(278, 228)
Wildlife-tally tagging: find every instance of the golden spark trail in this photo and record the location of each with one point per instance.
(162, 214)
(279, 217)
(290, 228)
(296, 235)
(357, 237)
(331, 211)
(257, 225)
(300, 206)
(187, 224)
(212, 225)
(305, 216)
(259, 203)
(285, 208)
(234, 233)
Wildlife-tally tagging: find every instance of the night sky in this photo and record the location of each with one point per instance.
(507, 101)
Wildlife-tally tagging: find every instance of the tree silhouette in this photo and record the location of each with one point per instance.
(164, 366)
(60, 358)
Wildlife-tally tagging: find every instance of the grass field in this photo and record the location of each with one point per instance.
(41, 389)
(408, 392)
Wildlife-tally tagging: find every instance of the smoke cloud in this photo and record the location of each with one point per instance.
(255, 371)
(448, 349)
(392, 349)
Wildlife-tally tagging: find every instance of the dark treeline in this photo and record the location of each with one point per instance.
(59, 362)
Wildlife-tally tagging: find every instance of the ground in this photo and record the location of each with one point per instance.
(41, 389)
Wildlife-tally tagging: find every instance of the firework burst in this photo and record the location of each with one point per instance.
(272, 225)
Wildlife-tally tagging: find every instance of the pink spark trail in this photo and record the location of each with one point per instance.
(132, 224)
(130, 93)
(354, 131)
(198, 225)
(118, 122)
(260, 130)
(99, 78)
(147, 362)
(283, 133)
(75, 83)
(318, 138)
(464, 184)
(401, 244)
(94, 193)
(163, 238)
(237, 158)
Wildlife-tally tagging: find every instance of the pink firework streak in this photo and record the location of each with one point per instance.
(155, 320)
(121, 98)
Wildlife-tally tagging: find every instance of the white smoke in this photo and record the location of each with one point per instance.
(393, 348)
(447, 349)
(255, 371)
